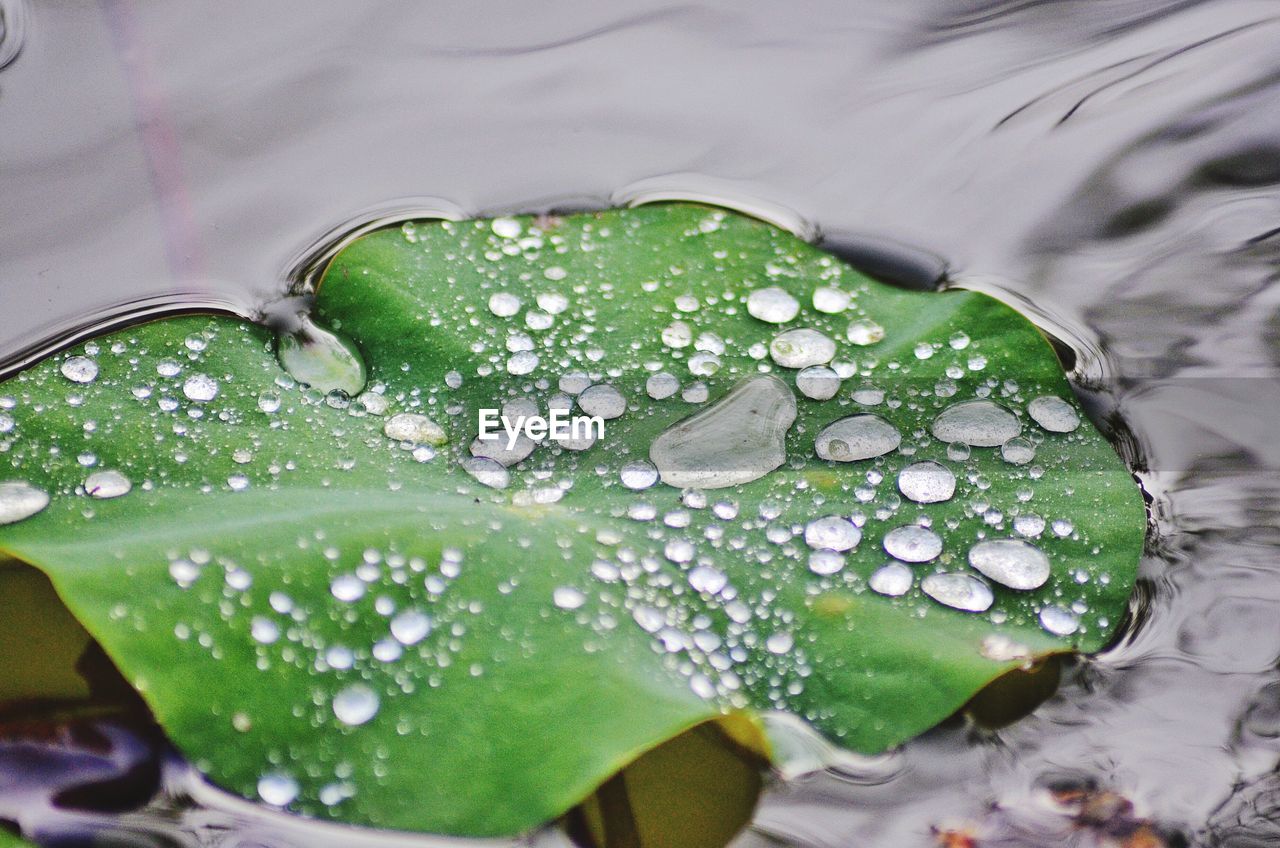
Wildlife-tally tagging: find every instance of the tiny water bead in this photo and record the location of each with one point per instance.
(1053, 414)
(602, 400)
(864, 332)
(355, 705)
(80, 369)
(892, 579)
(1011, 562)
(414, 428)
(200, 387)
(801, 348)
(927, 482)
(856, 437)
(19, 500)
(107, 484)
(818, 382)
(739, 438)
(1058, 621)
(912, 543)
(772, 304)
(833, 533)
(979, 423)
(958, 591)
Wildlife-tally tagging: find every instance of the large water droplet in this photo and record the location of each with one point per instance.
(603, 400)
(356, 704)
(278, 790)
(892, 579)
(818, 382)
(504, 304)
(568, 598)
(410, 627)
(1018, 451)
(801, 348)
(912, 543)
(772, 304)
(107, 484)
(20, 500)
(980, 423)
(832, 532)
(321, 359)
(1059, 621)
(735, 440)
(927, 482)
(958, 591)
(1011, 562)
(830, 300)
(495, 448)
(638, 475)
(414, 428)
(864, 332)
(200, 387)
(1053, 414)
(662, 385)
(487, 472)
(864, 436)
(80, 369)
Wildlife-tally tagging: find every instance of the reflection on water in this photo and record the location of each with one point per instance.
(1112, 168)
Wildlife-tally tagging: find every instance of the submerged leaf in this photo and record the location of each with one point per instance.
(449, 634)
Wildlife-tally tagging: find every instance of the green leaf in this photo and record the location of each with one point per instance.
(8, 840)
(565, 635)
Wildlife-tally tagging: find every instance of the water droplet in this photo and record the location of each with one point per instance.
(958, 591)
(927, 482)
(1053, 414)
(892, 579)
(263, 630)
(801, 347)
(779, 643)
(415, 429)
(278, 790)
(568, 598)
(184, 572)
(704, 364)
(864, 332)
(912, 543)
(959, 341)
(321, 359)
(864, 436)
(818, 382)
(200, 387)
(495, 448)
(697, 392)
(979, 423)
(1059, 621)
(574, 382)
(80, 369)
(662, 385)
(1029, 525)
(638, 475)
(107, 484)
(1018, 451)
(410, 627)
(1011, 562)
(773, 305)
(603, 400)
(20, 500)
(826, 562)
(830, 300)
(269, 402)
(507, 228)
(348, 588)
(522, 363)
(552, 303)
(487, 472)
(355, 705)
(737, 439)
(677, 335)
(832, 532)
(679, 550)
(704, 578)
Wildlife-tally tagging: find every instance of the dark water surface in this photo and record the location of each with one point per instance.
(1110, 166)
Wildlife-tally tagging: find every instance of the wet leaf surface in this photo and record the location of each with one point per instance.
(342, 607)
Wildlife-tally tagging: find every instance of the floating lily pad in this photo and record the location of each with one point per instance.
(428, 633)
